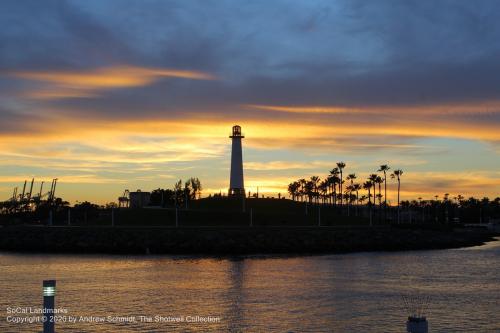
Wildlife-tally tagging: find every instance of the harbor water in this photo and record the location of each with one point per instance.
(359, 292)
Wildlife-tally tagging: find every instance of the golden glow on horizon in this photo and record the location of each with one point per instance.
(107, 151)
(287, 133)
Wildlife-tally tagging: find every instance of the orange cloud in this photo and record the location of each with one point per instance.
(404, 121)
(300, 109)
(68, 179)
(64, 84)
(480, 107)
(191, 133)
(286, 165)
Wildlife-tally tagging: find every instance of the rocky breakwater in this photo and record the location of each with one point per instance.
(232, 241)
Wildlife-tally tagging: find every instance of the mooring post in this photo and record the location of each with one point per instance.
(50, 217)
(49, 292)
(69, 216)
(417, 325)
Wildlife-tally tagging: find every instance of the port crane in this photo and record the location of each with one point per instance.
(27, 200)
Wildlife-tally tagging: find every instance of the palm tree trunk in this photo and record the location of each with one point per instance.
(399, 186)
(341, 187)
(379, 196)
(385, 196)
(357, 202)
(335, 195)
(385, 189)
(374, 194)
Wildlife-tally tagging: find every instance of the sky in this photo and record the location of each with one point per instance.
(109, 95)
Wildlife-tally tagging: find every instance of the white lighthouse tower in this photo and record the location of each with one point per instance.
(236, 186)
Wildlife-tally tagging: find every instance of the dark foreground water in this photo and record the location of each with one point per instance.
(337, 293)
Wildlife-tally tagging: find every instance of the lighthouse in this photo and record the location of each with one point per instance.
(236, 187)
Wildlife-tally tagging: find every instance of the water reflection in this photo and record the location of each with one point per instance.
(235, 295)
(353, 292)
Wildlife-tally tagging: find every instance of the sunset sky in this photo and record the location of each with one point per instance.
(112, 95)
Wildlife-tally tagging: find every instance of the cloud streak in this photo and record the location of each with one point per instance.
(66, 84)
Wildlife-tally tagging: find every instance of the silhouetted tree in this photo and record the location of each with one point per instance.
(397, 175)
(341, 166)
(293, 189)
(334, 180)
(384, 168)
(315, 181)
(367, 185)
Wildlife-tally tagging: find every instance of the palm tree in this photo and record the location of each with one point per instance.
(347, 197)
(373, 181)
(303, 183)
(368, 186)
(293, 189)
(384, 168)
(315, 180)
(356, 188)
(322, 190)
(397, 174)
(350, 177)
(309, 190)
(330, 184)
(379, 181)
(341, 166)
(326, 190)
(334, 173)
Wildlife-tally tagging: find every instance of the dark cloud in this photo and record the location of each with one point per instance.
(343, 53)
(54, 35)
(12, 122)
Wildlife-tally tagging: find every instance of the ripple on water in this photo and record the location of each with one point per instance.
(341, 293)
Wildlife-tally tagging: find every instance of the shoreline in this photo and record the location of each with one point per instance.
(217, 241)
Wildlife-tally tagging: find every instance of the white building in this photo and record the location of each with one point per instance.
(236, 185)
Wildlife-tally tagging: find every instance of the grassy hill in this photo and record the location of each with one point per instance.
(224, 212)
